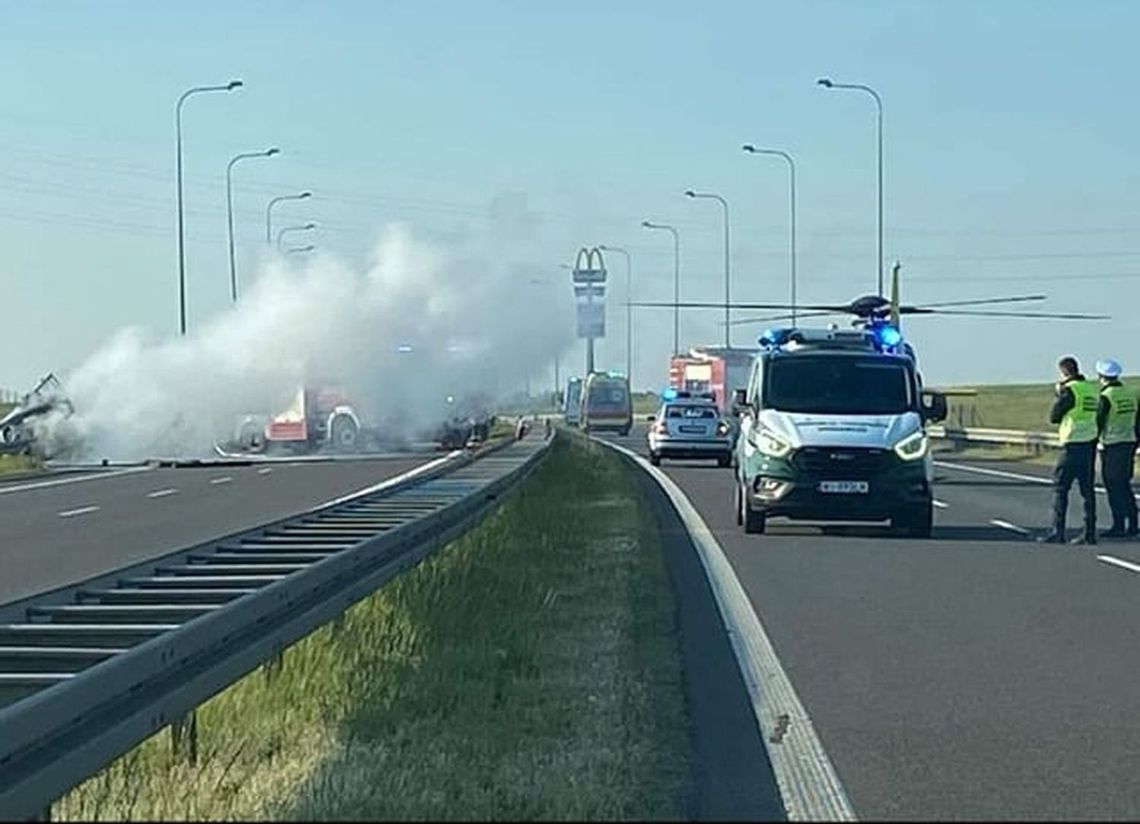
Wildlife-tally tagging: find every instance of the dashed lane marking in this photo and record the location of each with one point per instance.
(1110, 559)
(83, 510)
(1020, 530)
(162, 493)
(223, 480)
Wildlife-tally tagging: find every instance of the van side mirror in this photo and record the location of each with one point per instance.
(739, 402)
(933, 407)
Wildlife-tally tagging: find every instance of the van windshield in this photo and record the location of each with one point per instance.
(838, 385)
(607, 398)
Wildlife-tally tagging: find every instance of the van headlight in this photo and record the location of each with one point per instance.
(770, 444)
(912, 447)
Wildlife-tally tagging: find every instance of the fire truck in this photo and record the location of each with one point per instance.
(315, 420)
(712, 369)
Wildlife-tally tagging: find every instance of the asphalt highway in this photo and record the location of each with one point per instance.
(975, 675)
(68, 527)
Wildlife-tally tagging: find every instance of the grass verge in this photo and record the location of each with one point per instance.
(1009, 406)
(17, 463)
(529, 670)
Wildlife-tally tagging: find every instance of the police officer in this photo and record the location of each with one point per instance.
(1119, 426)
(1075, 410)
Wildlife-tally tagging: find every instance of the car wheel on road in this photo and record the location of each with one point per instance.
(917, 522)
(655, 459)
(754, 522)
(738, 504)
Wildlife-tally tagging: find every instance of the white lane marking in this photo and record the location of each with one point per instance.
(162, 493)
(411, 473)
(941, 504)
(83, 510)
(225, 479)
(1013, 476)
(809, 786)
(1020, 530)
(1109, 559)
(4, 490)
(265, 470)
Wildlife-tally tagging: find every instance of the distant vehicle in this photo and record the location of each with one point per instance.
(316, 420)
(606, 404)
(18, 425)
(690, 426)
(717, 370)
(572, 406)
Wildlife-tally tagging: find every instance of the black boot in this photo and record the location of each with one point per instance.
(1117, 531)
(1054, 537)
(1087, 538)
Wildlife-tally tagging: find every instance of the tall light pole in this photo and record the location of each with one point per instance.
(829, 84)
(269, 210)
(300, 228)
(748, 147)
(230, 208)
(676, 280)
(229, 87)
(727, 299)
(628, 310)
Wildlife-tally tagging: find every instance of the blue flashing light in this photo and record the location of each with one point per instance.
(669, 394)
(775, 337)
(889, 336)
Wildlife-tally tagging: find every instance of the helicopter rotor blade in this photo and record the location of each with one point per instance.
(985, 301)
(1038, 315)
(772, 318)
(831, 308)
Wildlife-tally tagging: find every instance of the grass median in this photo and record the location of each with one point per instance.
(530, 670)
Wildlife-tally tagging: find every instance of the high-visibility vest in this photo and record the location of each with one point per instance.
(1121, 424)
(1079, 423)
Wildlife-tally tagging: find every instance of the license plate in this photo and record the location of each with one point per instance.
(844, 487)
(693, 430)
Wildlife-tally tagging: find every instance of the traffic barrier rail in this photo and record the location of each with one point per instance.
(965, 436)
(89, 671)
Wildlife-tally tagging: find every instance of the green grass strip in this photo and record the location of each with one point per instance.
(528, 671)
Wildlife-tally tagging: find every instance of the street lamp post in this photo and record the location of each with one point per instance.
(628, 310)
(229, 87)
(727, 298)
(748, 147)
(269, 210)
(301, 228)
(676, 280)
(829, 84)
(230, 209)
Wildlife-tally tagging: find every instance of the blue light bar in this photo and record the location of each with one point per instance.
(775, 337)
(889, 336)
(669, 394)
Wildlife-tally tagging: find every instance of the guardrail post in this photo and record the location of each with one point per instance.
(184, 737)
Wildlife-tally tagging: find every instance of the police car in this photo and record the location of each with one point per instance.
(832, 428)
(689, 426)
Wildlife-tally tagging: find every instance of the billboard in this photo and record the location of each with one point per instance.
(591, 319)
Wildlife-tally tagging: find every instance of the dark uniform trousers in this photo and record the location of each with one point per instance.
(1077, 462)
(1116, 469)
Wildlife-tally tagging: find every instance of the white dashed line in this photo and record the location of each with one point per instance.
(83, 510)
(162, 493)
(265, 470)
(94, 476)
(1109, 559)
(223, 480)
(941, 504)
(1020, 530)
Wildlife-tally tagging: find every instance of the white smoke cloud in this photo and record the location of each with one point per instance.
(473, 320)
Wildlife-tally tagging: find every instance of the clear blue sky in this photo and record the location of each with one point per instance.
(1011, 132)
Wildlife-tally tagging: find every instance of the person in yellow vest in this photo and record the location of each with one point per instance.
(1118, 422)
(1075, 410)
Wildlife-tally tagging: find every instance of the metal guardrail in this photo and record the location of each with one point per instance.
(89, 671)
(1014, 437)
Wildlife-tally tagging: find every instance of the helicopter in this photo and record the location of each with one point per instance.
(880, 316)
(875, 310)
